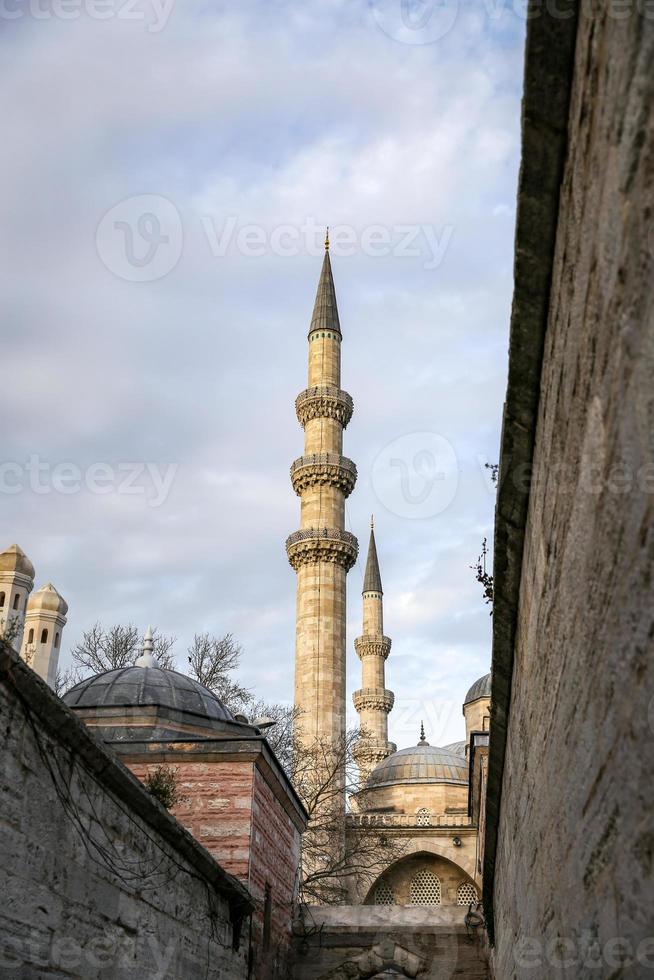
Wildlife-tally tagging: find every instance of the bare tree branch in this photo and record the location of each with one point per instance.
(118, 646)
(324, 775)
(211, 661)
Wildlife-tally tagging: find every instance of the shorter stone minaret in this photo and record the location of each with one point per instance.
(44, 624)
(373, 702)
(16, 583)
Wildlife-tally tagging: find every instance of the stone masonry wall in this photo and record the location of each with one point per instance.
(97, 879)
(574, 872)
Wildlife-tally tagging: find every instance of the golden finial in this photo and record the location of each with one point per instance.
(327, 240)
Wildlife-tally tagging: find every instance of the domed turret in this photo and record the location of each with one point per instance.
(44, 623)
(476, 707)
(14, 559)
(49, 599)
(16, 583)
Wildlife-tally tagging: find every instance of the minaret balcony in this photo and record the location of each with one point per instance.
(325, 544)
(323, 469)
(370, 645)
(324, 402)
(372, 751)
(372, 698)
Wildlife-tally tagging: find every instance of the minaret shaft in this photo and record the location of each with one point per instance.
(322, 552)
(373, 701)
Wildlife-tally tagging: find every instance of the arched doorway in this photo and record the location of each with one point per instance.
(422, 879)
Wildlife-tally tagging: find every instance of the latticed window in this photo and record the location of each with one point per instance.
(423, 817)
(384, 894)
(466, 894)
(425, 889)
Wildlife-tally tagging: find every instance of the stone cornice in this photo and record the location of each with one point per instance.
(370, 645)
(399, 820)
(323, 469)
(324, 402)
(378, 699)
(313, 545)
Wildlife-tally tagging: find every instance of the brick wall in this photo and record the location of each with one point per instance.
(97, 879)
(573, 887)
(217, 809)
(232, 810)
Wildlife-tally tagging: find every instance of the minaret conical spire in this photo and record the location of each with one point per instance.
(325, 309)
(372, 578)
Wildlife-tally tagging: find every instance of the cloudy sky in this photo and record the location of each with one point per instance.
(168, 172)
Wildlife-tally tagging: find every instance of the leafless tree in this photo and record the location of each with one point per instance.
(212, 660)
(280, 737)
(103, 649)
(66, 679)
(9, 628)
(325, 775)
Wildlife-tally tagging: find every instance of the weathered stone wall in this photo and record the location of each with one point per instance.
(573, 887)
(361, 941)
(97, 879)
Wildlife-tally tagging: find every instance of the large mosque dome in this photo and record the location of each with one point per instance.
(140, 687)
(422, 763)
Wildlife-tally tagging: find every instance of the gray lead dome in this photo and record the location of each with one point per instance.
(480, 689)
(420, 764)
(143, 686)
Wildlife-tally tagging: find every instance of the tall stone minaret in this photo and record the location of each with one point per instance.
(322, 551)
(373, 702)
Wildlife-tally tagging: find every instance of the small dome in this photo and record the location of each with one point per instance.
(14, 559)
(48, 598)
(420, 763)
(456, 748)
(144, 687)
(480, 689)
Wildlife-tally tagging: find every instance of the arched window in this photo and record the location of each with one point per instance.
(383, 894)
(17, 600)
(2, 599)
(30, 636)
(44, 636)
(425, 889)
(466, 894)
(56, 641)
(423, 817)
